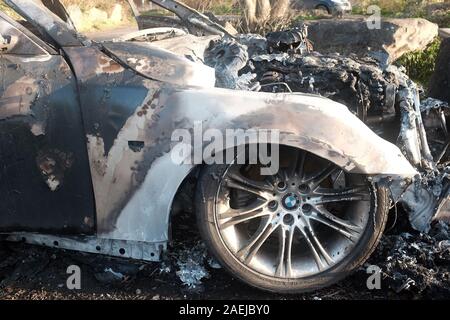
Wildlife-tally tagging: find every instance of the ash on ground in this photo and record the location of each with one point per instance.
(414, 266)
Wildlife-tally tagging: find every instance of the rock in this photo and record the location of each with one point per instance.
(116, 14)
(396, 36)
(440, 81)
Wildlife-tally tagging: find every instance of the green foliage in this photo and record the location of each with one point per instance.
(433, 10)
(420, 64)
(224, 9)
(443, 20)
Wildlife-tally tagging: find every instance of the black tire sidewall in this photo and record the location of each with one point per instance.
(324, 8)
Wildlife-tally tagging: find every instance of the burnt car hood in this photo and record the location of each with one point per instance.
(162, 65)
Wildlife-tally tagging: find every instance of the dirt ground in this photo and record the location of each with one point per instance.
(414, 269)
(40, 273)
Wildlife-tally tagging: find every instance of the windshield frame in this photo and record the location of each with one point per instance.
(46, 22)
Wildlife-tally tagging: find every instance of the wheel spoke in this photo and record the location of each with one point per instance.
(248, 252)
(349, 194)
(350, 234)
(240, 218)
(315, 181)
(284, 268)
(228, 212)
(321, 256)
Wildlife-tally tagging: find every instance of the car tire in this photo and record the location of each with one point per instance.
(323, 8)
(209, 183)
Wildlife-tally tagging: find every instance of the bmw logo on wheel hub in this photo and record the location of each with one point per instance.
(291, 201)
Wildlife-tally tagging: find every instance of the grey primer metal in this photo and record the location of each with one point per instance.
(125, 100)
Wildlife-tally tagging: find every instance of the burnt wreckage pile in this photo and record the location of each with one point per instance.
(384, 98)
(381, 94)
(415, 264)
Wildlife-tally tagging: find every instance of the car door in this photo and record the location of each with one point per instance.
(45, 182)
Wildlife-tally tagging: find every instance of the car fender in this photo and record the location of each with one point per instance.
(316, 124)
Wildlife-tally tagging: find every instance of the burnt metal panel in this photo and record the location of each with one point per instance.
(162, 65)
(46, 21)
(44, 175)
(58, 8)
(110, 96)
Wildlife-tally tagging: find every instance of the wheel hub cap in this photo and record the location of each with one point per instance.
(291, 201)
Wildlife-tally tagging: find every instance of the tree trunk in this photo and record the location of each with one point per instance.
(263, 10)
(259, 12)
(280, 8)
(249, 12)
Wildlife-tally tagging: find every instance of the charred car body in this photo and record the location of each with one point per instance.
(85, 136)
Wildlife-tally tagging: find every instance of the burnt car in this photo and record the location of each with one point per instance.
(87, 164)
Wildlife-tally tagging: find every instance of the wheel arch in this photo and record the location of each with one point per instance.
(162, 216)
(323, 5)
(317, 125)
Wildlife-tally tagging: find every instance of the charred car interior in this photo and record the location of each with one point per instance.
(85, 144)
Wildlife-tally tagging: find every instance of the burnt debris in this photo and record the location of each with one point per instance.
(416, 264)
(381, 95)
(294, 40)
